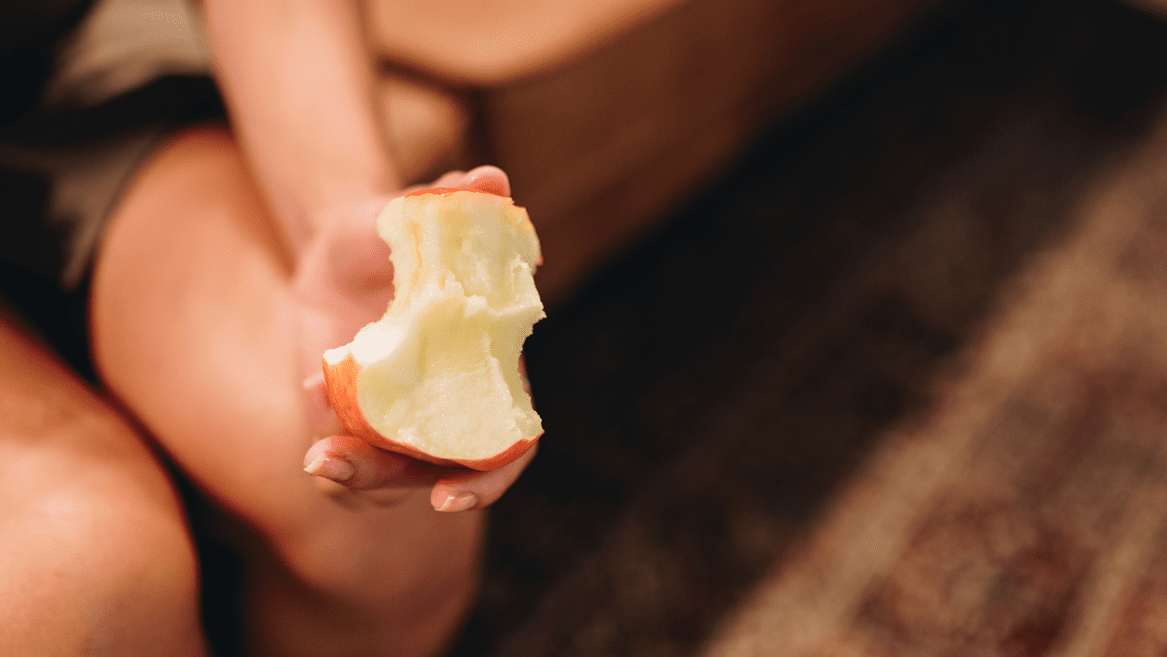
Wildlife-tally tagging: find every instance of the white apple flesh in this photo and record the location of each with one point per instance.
(437, 378)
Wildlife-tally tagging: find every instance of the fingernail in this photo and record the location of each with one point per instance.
(460, 502)
(331, 467)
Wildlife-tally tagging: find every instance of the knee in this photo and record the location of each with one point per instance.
(94, 550)
(87, 567)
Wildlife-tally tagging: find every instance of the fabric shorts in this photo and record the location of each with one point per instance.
(102, 95)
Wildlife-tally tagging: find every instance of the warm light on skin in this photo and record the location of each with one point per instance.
(498, 41)
(299, 85)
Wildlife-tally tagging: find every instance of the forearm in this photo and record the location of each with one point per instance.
(299, 87)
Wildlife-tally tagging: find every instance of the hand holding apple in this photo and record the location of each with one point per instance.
(437, 377)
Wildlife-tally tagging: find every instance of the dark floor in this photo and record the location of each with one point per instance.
(711, 391)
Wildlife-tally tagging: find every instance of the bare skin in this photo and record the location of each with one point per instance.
(301, 94)
(232, 261)
(95, 556)
(198, 321)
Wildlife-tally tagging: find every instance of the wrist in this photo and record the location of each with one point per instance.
(308, 213)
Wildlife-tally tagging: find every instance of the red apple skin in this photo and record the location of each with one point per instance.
(340, 384)
(441, 191)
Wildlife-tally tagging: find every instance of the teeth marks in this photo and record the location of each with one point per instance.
(438, 377)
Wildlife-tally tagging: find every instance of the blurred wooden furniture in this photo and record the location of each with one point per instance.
(608, 114)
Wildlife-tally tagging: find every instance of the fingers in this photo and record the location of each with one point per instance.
(467, 490)
(489, 179)
(358, 465)
(346, 282)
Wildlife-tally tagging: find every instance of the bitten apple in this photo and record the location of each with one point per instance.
(437, 378)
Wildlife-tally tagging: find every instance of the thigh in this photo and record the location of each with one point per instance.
(195, 331)
(191, 325)
(95, 556)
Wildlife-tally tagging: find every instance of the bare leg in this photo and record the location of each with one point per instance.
(194, 329)
(95, 557)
